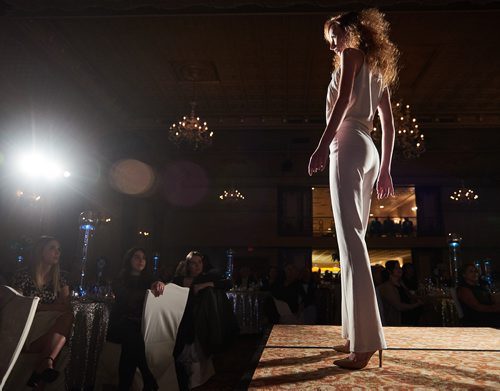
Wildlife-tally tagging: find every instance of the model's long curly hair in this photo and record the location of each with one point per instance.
(368, 30)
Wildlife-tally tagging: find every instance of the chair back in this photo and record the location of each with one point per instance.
(160, 322)
(286, 314)
(16, 316)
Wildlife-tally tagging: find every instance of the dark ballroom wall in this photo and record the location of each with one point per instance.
(259, 164)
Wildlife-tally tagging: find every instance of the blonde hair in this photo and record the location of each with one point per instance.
(36, 261)
(368, 30)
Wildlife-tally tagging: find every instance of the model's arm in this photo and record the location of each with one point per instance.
(385, 187)
(351, 61)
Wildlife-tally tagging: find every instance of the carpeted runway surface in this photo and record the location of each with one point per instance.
(418, 358)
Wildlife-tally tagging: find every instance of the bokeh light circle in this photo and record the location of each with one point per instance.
(132, 177)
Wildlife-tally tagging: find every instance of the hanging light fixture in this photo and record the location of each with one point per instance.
(409, 141)
(191, 131)
(231, 196)
(464, 195)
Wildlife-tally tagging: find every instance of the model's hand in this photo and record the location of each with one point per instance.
(384, 185)
(318, 160)
(157, 288)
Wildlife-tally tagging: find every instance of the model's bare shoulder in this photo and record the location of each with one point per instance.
(353, 54)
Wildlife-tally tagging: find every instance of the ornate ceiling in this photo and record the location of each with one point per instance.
(261, 65)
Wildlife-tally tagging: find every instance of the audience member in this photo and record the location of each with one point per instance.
(375, 227)
(272, 279)
(126, 318)
(378, 280)
(399, 305)
(54, 319)
(389, 228)
(291, 290)
(407, 227)
(310, 288)
(477, 303)
(409, 277)
(245, 280)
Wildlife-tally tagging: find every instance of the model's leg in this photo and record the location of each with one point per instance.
(351, 160)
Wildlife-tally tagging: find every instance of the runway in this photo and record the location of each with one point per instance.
(298, 357)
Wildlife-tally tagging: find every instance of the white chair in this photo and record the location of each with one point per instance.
(286, 315)
(16, 366)
(160, 322)
(16, 316)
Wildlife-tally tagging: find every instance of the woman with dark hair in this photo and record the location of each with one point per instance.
(54, 319)
(365, 68)
(410, 277)
(126, 315)
(399, 306)
(477, 303)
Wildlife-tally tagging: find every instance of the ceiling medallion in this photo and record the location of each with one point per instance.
(409, 141)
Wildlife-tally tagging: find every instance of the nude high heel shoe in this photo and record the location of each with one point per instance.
(342, 348)
(358, 362)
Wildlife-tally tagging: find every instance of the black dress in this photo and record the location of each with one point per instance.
(125, 328)
(473, 318)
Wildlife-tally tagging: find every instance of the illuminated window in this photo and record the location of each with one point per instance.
(394, 216)
(322, 259)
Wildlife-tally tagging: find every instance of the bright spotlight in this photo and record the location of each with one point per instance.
(31, 165)
(52, 171)
(36, 166)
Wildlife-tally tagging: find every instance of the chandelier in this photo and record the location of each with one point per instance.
(409, 141)
(191, 131)
(464, 195)
(231, 196)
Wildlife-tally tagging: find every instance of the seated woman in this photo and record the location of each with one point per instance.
(272, 279)
(245, 280)
(410, 277)
(126, 315)
(291, 290)
(54, 318)
(400, 308)
(477, 303)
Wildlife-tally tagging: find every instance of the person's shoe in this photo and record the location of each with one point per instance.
(48, 375)
(358, 360)
(34, 380)
(342, 348)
